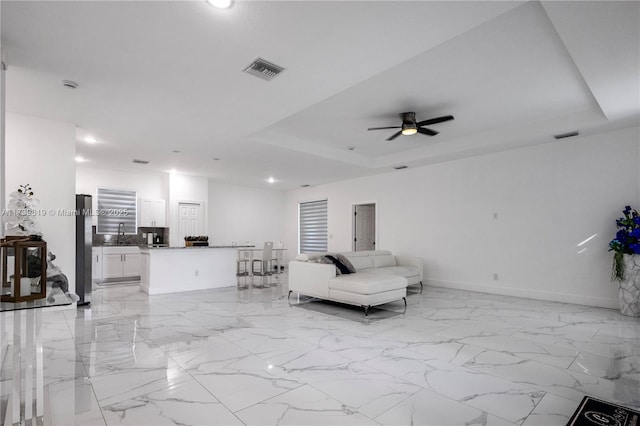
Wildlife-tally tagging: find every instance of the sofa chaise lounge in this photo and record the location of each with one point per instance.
(380, 278)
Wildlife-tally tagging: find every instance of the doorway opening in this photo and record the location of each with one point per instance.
(364, 227)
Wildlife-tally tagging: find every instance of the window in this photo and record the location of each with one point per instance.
(313, 226)
(117, 209)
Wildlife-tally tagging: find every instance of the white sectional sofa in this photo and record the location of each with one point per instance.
(380, 278)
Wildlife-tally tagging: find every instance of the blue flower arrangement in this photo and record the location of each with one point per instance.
(627, 241)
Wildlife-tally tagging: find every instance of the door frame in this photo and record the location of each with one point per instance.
(353, 224)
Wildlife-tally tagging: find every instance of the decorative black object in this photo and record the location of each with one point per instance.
(343, 269)
(55, 275)
(196, 238)
(196, 241)
(34, 265)
(595, 412)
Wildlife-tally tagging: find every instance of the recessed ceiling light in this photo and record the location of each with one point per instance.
(90, 139)
(216, 159)
(271, 179)
(305, 185)
(351, 148)
(220, 4)
(80, 159)
(175, 151)
(400, 167)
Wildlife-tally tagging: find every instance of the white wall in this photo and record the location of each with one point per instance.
(240, 214)
(520, 214)
(232, 213)
(41, 153)
(151, 185)
(2, 127)
(189, 189)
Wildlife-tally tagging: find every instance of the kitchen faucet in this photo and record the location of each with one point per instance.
(118, 237)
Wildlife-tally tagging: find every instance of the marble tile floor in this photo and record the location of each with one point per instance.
(250, 356)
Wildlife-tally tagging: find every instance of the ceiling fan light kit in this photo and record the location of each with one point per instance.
(409, 130)
(411, 127)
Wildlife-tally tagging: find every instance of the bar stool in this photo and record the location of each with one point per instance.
(278, 257)
(243, 265)
(265, 261)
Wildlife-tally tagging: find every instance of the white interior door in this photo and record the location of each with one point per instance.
(190, 219)
(364, 227)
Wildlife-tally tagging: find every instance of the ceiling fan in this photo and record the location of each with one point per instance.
(411, 127)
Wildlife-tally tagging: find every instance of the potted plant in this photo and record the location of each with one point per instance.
(22, 210)
(196, 241)
(626, 261)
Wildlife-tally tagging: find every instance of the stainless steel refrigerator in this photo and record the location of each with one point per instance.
(83, 248)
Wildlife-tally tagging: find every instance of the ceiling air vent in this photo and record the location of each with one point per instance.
(567, 135)
(263, 69)
(400, 167)
(140, 161)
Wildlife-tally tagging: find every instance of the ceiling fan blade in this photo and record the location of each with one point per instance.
(395, 135)
(427, 132)
(435, 120)
(382, 128)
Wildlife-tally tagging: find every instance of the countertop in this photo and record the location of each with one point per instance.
(141, 246)
(194, 247)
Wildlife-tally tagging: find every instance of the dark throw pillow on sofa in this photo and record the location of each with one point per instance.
(346, 262)
(341, 267)
(327, 261)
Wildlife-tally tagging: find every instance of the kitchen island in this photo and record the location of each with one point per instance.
(176, 269)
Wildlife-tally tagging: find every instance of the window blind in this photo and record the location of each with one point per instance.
(116, 206)
(313, 226)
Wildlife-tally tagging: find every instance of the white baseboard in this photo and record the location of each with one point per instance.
(527, 294)
(144, 288)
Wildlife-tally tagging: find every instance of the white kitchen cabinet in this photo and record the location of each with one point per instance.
(96, 263)
(152, 213)
(112, 265)
(131, 265)
(120, 262)
(145, 213)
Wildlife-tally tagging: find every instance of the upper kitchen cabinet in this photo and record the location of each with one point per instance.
(153, 213)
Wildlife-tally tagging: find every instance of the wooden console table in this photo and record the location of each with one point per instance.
(16, 253)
